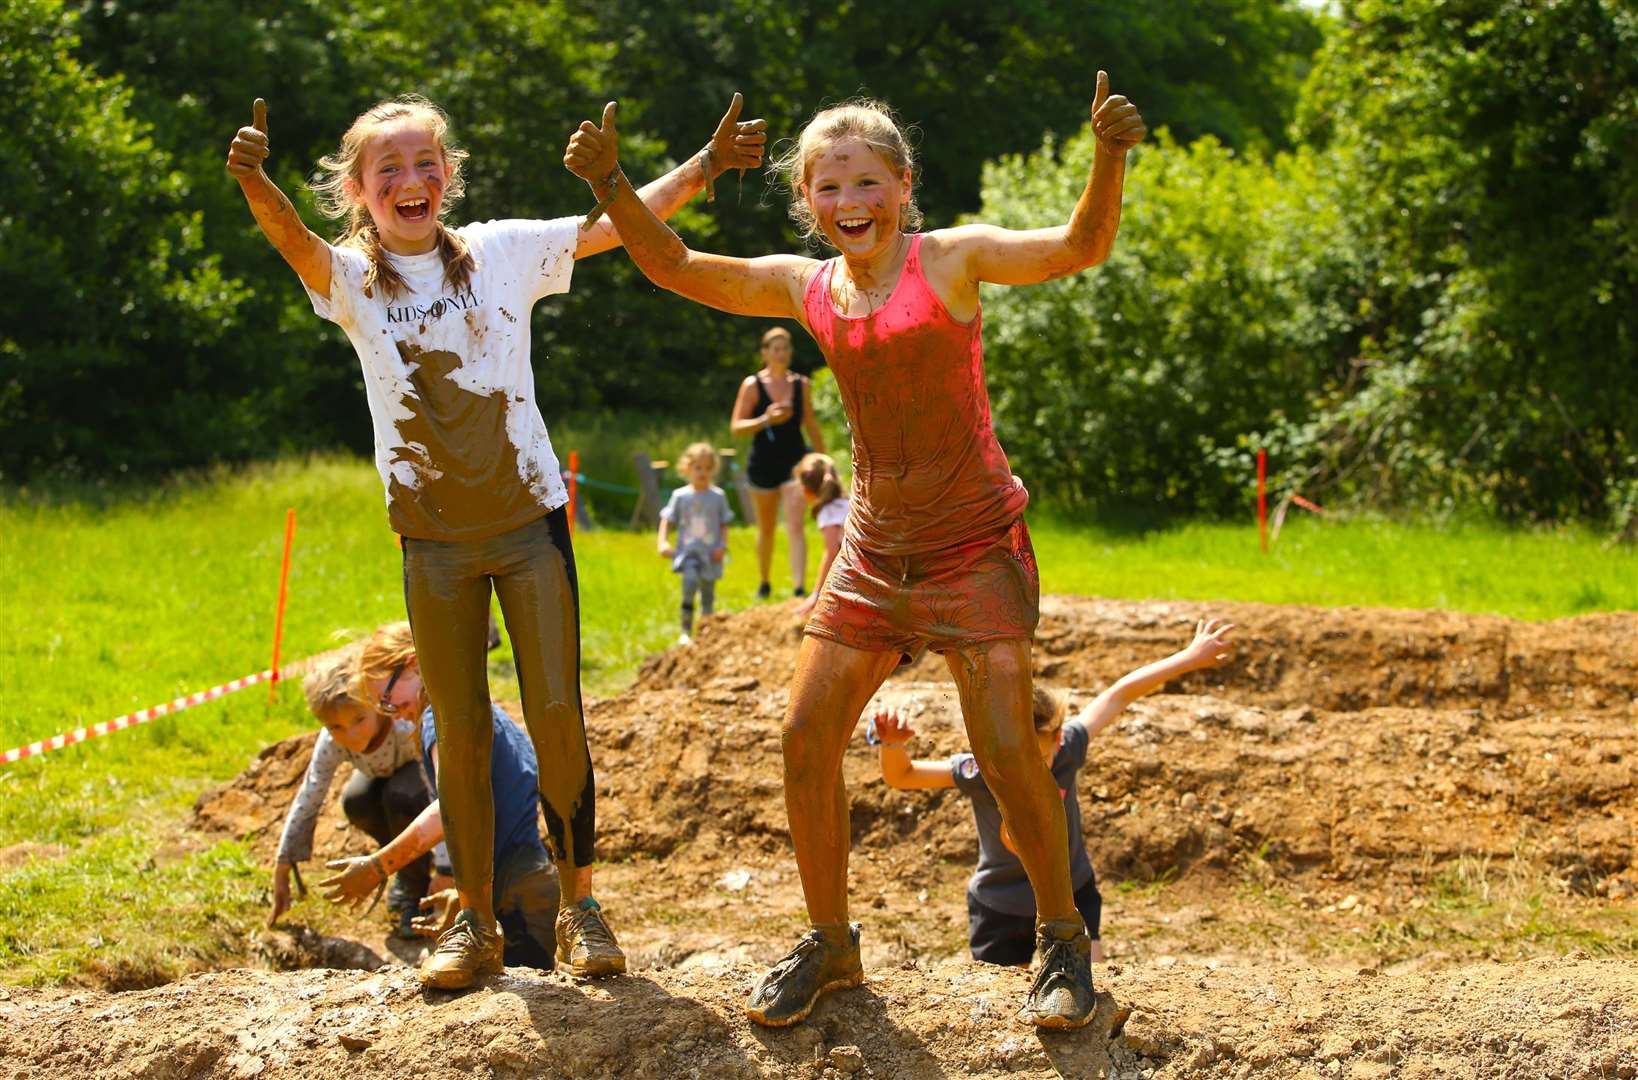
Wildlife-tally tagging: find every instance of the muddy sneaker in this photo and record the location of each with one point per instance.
(586, 944)
(1061, 996)
(827, 958)
(464, 953)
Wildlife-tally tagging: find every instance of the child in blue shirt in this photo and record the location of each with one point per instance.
(700, 514)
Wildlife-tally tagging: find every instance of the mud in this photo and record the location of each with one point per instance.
(1413, 796)
(1573, 1017)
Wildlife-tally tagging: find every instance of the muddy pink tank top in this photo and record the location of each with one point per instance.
(928, 473)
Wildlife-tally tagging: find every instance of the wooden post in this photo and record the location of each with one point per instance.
(648, 488)
(278, 613)
(1262, 498)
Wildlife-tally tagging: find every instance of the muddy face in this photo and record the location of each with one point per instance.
(456, 441)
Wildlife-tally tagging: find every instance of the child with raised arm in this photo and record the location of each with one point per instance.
(1000, 902)
(439, 318)
(700, 513)
(935, 553)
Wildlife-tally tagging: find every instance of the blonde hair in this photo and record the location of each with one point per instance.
(328, 686)
(775, 332)
(866, 119)
(339, 183)
(383, 652)
(818, 477)
(1048, 709)
(696, 452)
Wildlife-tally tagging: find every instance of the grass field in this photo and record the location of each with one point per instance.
(122, 602)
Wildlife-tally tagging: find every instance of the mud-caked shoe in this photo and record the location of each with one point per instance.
(1061, 995)
(827, 958)
(586, 944)
(465, 952)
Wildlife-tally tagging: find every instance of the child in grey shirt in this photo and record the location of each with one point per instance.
(700, 514)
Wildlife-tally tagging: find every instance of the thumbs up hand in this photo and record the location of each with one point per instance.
(249, 147)
(738, 144)
(1115, 120)
(594, 152)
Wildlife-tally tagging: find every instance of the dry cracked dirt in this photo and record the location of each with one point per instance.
(1377, 843)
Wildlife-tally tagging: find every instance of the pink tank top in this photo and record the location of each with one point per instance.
(928, 473)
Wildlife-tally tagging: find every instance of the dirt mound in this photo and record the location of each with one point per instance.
(1343, 659)
(1566, 1018)
(1252, 811)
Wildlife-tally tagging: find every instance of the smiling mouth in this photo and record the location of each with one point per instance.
(414, 209)
(854, 227)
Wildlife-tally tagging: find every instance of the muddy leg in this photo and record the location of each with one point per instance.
(994, 683)
(833, 684)
(540, 601)
(448, 600)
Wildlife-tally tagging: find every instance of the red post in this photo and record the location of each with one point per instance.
(574, 483)
(1262, 497)
(278, 615)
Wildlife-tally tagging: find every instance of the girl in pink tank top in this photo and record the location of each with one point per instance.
(935, 553)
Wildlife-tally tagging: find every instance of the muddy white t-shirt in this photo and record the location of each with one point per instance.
(459, 441)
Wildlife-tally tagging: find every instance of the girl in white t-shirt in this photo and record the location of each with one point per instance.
(822, 488)
(440, 320)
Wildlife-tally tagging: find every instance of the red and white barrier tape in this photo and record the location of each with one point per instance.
(119, 723)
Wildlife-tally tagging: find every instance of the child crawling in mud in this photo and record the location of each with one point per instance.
(386, 792)
(935, 554)
(527, 890)
(1000, 901)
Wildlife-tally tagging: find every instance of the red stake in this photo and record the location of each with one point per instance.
(574, 483)
(278, 615)
(1262, 497)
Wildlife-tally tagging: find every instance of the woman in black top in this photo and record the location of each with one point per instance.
(774, 409)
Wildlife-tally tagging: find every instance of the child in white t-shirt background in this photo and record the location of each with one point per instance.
(827, 499)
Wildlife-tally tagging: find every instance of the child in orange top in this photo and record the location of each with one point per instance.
(935, 554)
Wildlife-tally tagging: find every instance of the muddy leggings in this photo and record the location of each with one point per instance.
(446, 588)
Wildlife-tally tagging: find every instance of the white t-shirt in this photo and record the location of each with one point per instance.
(833, 513)
(459, 441)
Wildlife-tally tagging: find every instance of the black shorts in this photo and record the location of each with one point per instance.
(998, 938)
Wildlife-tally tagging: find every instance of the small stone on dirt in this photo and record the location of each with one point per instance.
(846, 1059)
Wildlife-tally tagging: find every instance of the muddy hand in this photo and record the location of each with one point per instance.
(249, 147)
(358, 878)
(1115, 120)
(738, 144)
(893, 726)
(281, 894)
(441, 909)
(593, 152)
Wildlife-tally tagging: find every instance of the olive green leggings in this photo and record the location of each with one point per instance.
(446, 588)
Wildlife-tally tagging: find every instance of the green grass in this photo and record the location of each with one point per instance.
(125, 599)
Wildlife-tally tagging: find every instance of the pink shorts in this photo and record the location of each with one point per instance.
(987, 590)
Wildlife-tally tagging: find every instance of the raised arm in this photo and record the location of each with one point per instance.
(893, 728)
(1030, 256)
(770, 286)
(305, 251)
(1210, 647)
(735, 144)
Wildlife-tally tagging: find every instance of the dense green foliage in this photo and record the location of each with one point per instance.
(1432, 300)
(1397, 245)
(204, 347)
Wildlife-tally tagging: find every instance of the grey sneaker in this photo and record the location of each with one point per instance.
(464, 953)
(827, 958)
(586, 944)
(1061, 995)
